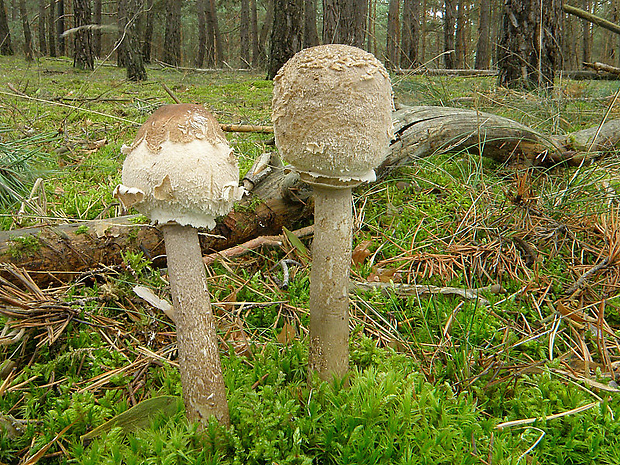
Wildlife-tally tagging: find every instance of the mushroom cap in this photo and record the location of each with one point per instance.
(332, 113)
(180, 168)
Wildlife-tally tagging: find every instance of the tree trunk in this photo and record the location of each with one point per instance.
(483, 49)
(570, 47)
(265, 33)
(287, 33)
(133, 53)
(449, 23)
(371, 29)
(410, 35)
(121, 43)
(172, 34)
(615, 40)
(311, 34)
(201, 16)
(23, 12)
(51, 28)
(83, 46)
(610, 39)
(393, 39)
(344, 22)
(587, 35)
(529, 52)
(148, 32)
(97, 32)
(215, 55)
(460, 46)
(219, 45)
(244, 34)
(254, 35)
(42, 29)
(60, 28)
(5, 33)
(210, 49)
(423, 30)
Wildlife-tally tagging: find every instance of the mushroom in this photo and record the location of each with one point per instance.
(181, 173)
(332, 117)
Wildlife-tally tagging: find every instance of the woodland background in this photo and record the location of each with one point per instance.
(461, 34)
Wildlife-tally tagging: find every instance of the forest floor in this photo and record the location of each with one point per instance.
(516, 360)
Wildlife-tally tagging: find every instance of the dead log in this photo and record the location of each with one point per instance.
(598, 67)
(277, 197)
(59, 253)
(424, 130)
(582, 75)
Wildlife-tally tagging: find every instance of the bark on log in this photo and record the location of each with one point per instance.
(424, 130)
(598, 66)
(59, 253)
(278, 198)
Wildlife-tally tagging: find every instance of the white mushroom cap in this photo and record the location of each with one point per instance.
(332, 113)
(180, 168)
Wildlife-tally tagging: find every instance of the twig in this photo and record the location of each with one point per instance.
(14, 89)
(531, 448)
(39, 455)
(285, 274)
(584, 277)
(528, 421)
(163, 64)
(424, 289)
(170, 93)
(241, 249)
(226, 127)
(73, 107)
(246, 128)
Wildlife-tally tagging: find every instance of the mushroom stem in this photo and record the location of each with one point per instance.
(204, 392)
(329, 282)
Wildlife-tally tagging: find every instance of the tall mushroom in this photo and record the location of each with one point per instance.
(182, 174)
(332, 117)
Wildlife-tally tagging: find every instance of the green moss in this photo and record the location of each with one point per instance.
(23, 246)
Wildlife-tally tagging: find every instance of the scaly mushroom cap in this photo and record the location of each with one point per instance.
(180, 168)
(332, 113)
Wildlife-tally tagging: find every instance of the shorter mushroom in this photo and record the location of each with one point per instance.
(182, 174)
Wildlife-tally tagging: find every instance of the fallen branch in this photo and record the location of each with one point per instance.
(253, 244)
(225, 127)
(163, 64)
(422, 290)
(587, 275)
(598, 66)
(246, 128)
(571, 10)
(529, 421)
